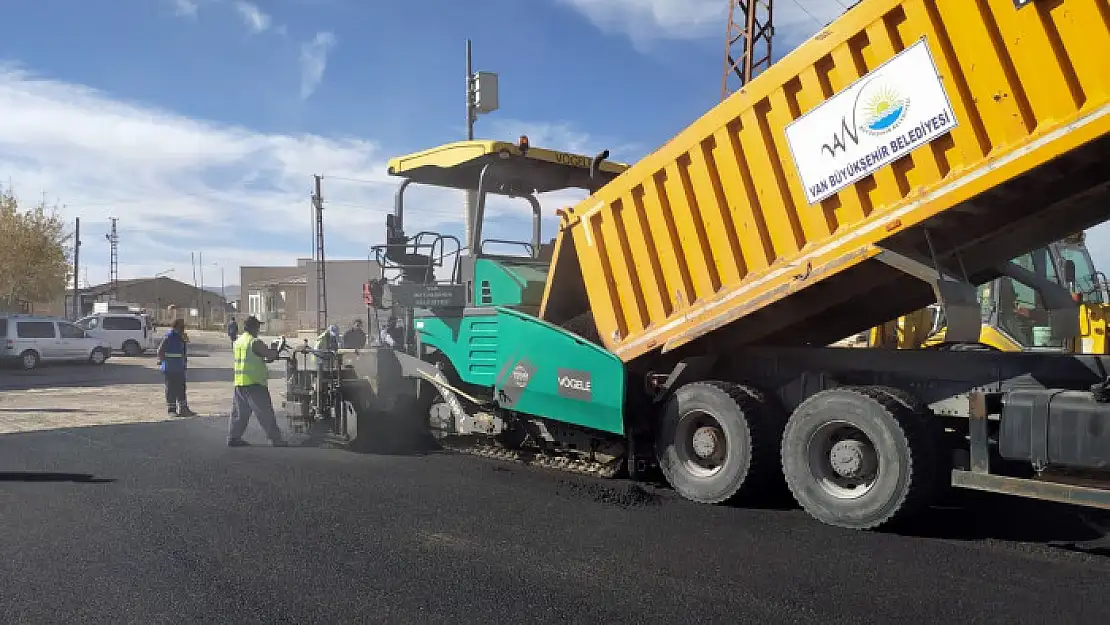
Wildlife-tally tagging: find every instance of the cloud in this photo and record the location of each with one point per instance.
(314, 60)
(185, 8)
(238, 196)
(256, 20)
(644, 21)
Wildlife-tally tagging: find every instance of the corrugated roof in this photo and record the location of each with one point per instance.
(290, 280)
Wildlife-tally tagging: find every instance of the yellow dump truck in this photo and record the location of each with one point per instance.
(900, 157)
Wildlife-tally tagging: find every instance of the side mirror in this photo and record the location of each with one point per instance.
(1069, 272)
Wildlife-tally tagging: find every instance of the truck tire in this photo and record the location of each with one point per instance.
(963, 347)
(910, 401)
(860, 458)
(716, 442)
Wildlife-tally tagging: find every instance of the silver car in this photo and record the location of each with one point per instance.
(27, 341)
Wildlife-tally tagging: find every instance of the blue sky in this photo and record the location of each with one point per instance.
(199, 123)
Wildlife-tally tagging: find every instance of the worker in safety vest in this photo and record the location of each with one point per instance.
(328, 341)
(252, 392)
(173, 361)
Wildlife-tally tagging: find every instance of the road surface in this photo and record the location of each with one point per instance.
(160, 522)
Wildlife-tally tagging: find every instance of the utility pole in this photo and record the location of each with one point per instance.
(747, 42)
(76, 268)
(196, 289)
(200, 312)
(321, 267)
(481, 98)
(471, 196)
(113, 267)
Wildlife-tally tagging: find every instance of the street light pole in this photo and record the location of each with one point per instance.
(481, 98)
(471, 196)
(223, 291)
(201, 313)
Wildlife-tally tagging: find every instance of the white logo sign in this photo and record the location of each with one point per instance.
(578, 385)
(890, 112)
(520, 376)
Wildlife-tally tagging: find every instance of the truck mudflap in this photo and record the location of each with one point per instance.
(1028, 437)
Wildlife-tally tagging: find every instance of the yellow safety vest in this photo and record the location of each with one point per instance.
(323, 341)
(250, 368)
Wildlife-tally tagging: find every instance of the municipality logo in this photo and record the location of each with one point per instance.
(881, 108)
(521, 376)
(878, 109)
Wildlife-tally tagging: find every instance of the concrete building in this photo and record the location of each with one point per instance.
(285, 298)
(165, 299)
(344, 289)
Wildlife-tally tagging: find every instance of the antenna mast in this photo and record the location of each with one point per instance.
(113, 267)
(321, 267)
(747, 43)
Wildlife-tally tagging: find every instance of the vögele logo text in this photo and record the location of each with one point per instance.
(578, 385)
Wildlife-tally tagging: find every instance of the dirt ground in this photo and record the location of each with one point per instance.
(123, 390)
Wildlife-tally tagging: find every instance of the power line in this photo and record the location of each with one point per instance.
(355, 180)
(806, 11)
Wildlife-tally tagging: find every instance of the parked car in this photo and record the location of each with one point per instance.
(28, 340)
(130, 333)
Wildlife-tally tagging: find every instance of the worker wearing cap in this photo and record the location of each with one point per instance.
(328, 342)
(355, 338)
(252, 392)
(173, 361)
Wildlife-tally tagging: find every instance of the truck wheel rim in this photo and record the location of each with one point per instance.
(702, 446)
(843, 460)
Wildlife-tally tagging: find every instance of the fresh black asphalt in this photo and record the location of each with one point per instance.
(162, 523)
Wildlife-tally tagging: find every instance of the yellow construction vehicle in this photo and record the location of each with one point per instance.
(1017, 309)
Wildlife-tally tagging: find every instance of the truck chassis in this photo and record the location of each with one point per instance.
(1007, 423)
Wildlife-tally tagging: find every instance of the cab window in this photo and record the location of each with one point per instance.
(1086, 281)
(122, 323)
(1022, 313)
(35, 330)
(70, 331)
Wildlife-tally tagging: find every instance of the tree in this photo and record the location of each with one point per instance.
(34, 253)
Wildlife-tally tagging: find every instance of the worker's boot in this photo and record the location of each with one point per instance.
(185, 412)
(171, 410)
(238, 442)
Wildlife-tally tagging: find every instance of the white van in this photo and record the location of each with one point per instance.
(129, 333)
(28, 340)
